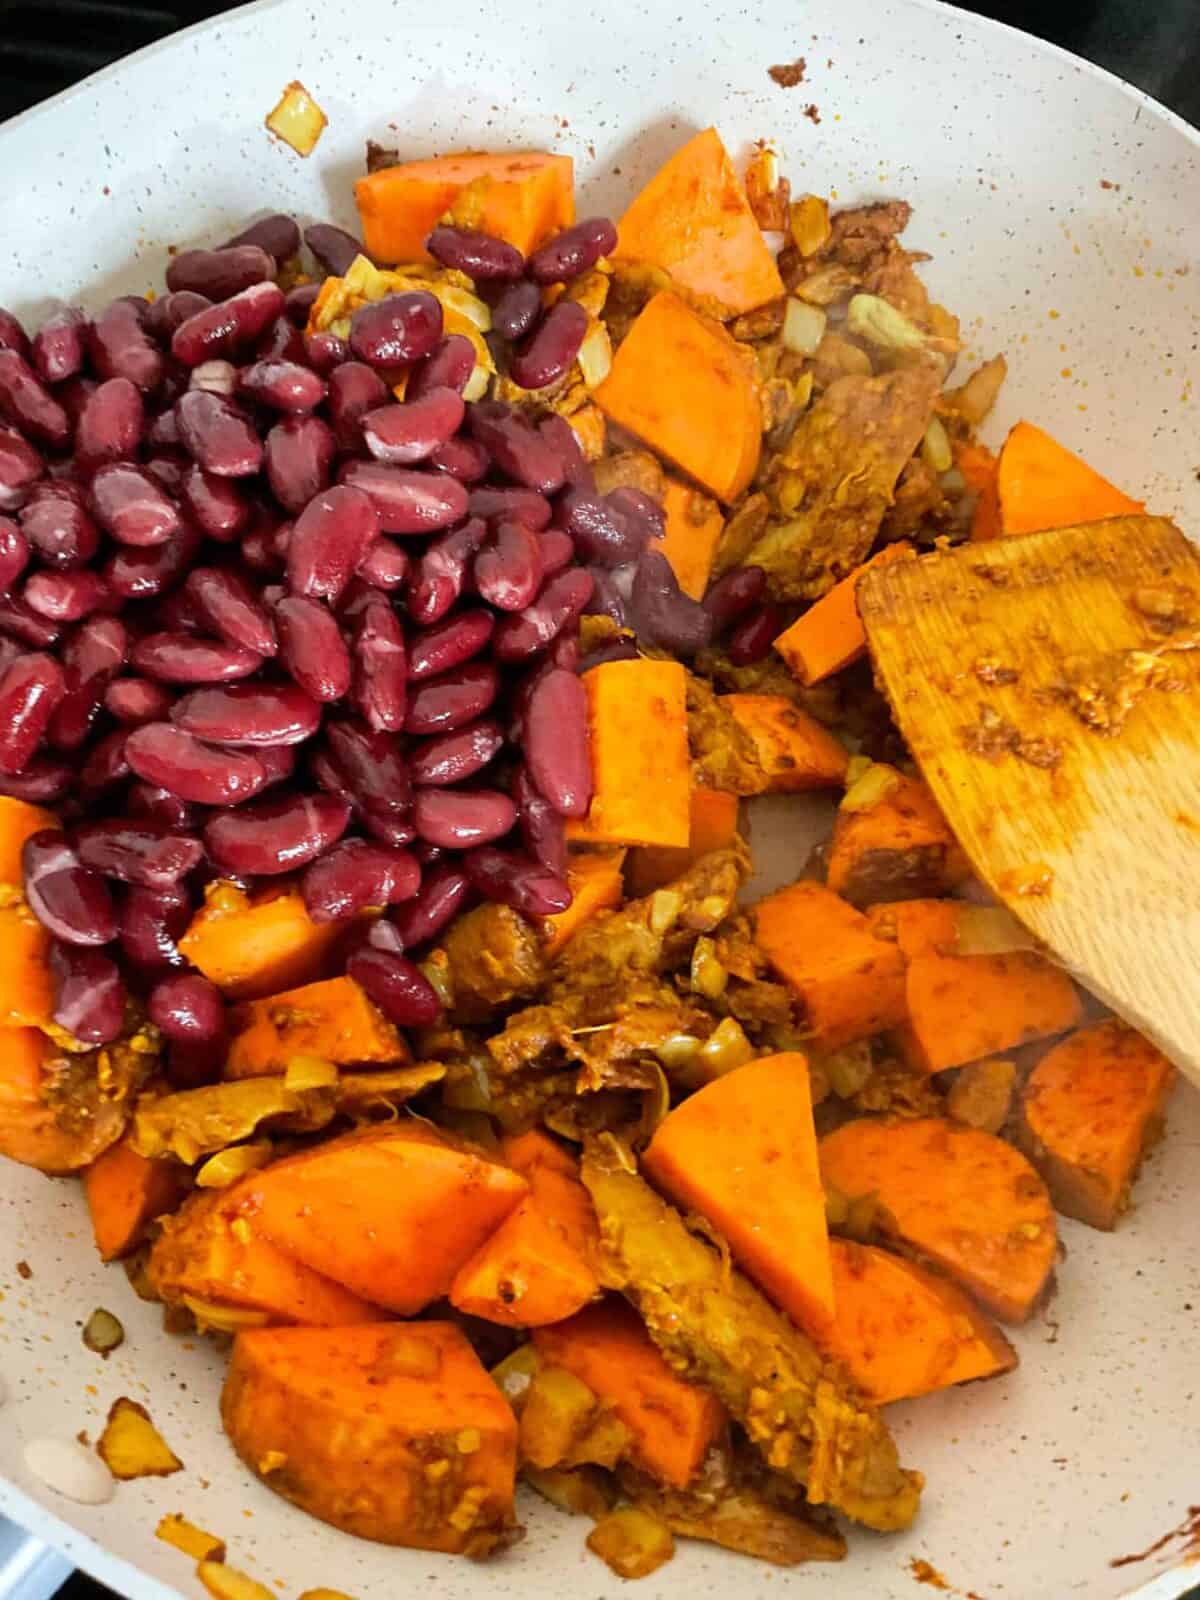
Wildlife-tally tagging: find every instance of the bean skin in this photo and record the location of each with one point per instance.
(28, 404)
(181, 658)
(444, 891)
(150, 924)
(452, 699)
(331, 536)
(120, 347)
(248, 714)
(453, 757)
(574, 251)
(371, 765)
(170, 758)
(440, 575)
(137, 851)
(563, 598)
(65, 897)
(131, 507)
(216, 505)
(298, 456)
(221, 330)
(480, 255)
(65, 596)
(44, 781)
(30, 690)
(187, 1007)
(461, 458)
(662, 613)
(218, 274)
(557, 747)
(89, 996)
(449, 643)
(398, 988)
(278, 235)
(20, 468)
(550, 349)
(449, 367)
(517, 309)
(229, 606)
(217, 435)
(514, 505)
(517, 881)
(282, 385)
(407, 500)
(57, 351)
(515, 447)
(508, 570)
(355, 875)
(354, 390)
(396, 330)
(140, 574)
(160, 805)
(380, 684)
(311, 647)
(385, 565)
(753, 637)
(333, 247)
(562, 439)
(106, 765)
(137, 701)
(278, 835)
(543, 829)
(406, 433)
(734, 594)
(462, 818)
(111, 424)
(56, 522)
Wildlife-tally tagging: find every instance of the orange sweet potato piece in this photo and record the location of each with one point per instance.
(961, 1008)
(333, 1020)
(694, 525)
(255, 947)
(389, 1212)
(523, 196)
(898, 846)
(713, 815)
(1090, 1109)
(830, 635)
(42, 1131)
(1041, 484)
(17, 822)
(596, 885)
(963, 1199)
(637, 722)
(796, 752)
(124, 1192)
(917, 927)
(683, 386)
(26, 991)
(693, 220)
(392, 1432)
(672, 1423)
(742, 1152)
(978, 466)
(851, 983)
(902, 1331)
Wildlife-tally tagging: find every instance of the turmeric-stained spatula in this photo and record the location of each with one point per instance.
(1049, 687)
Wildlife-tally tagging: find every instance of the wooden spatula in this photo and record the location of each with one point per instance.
(1049, 687)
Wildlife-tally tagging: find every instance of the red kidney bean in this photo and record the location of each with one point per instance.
(608, 594)
(221, 329)
(131, 507)
(662, 614)
(517, 309)
(543, 829)
(330, 777)
(449, 643)
(405, 433)
(20, 468)
(562, 599)
(516, 448)
(45, 781)
(14, 554)
(385, 565)
(150, 924)
(563, 440)
(355, 875)
(12, 334)
(106, 765)
(454, 757)
(325, 351)
(355, 598)
(439, 704)
(216, 505)
(187, 1006)
(564, 652)
(400, 989)
(354, 390)
(480, 255)
(278, 235)
(278, 835)
(176, 612)
(120, 347)
(462, 458)
(163, 432)
(397, 329)
(371, 765)
(298, 302)
(639, 509)
(311, 647)
(91, 655)
(407, 501)
(63, 895)
(28, 404)
(557, 550)
(282, 385)
(380, 686)
(169, 758)
(247, 714)
(427, 854)
(734, 594)
(141, 852)
(515, 880)
(30, 689)
(753, 637)
(140, 574)
(65, 596)
(389, 827)
(220, 273)
(514, 505)
(217, 376)
(72, 395)
(259, 553)
(136, 701)
(167, 472)
(57, 350)
(160, 805)
(89, 996)
(547, 353)
(572, 252)
(111, 424)
(441, 896)
(439, 576)
(282, 341)
(18, 621)
(449, 367)
(508, 570)
(557, 751)
(333, 247)
(57, 525)
(229, 606)
(331, 536)
(604, 535)
(194, 1066)
(614, 650)
(278, 761)
(171, 311)
(182, 658)
(299, 454)
(217, 435)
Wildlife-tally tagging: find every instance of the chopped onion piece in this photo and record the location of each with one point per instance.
(298, 120)
(990, 931)
(803, 327)
(873, 319)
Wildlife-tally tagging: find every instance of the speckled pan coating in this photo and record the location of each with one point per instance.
(1061, 211)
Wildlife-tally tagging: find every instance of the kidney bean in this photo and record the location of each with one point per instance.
(397, 329)
(218, 274)
(298, 302)
(90, 657)
(372, 766)
(278, 235)
(452, 699)
(140, 574)
(111, 424)
(330, 777)
(150, 924)
(407, 501)
(508, 569)
(45, 781)
(515, 880)
(167, 472)
(57, 349)
(278, 761)
(278, 835)
(480, 255)
(216, 505)
(354, 390)
(547, 353)
(89, 996)
(517, 309)
(389, 827)
(449, 367)
(57, 525)
(355, 875)
(154, 804)
(562, 599)
(106, 764)
(753, 637)
(403, 434)
(564, 652)
(517, 449)
(662, 614)
(20, 468)
(640, 510)
(14, 554)
(187, 1006)
(331, 536)
(737, 592)
(171, 311)
(608, 594)
(283, 341)
(12, 334)
(120, 347)
(299, 454)
(603, 535)
(141, 852)
(380, 686)
(354, 599)
(259, 553)
(311, 647)
(443, 891)
(18, 621)
(514, 505)
(333, 247)
(217, 376)
(65, 596)
(221, 329)
(163, 432)
(325, 351)
(400, 989)
(453, 757)
(461, 458)
(385, 565)
(229, 606)
(28, 404)
(217, 435)
(556, 550)
(562, 439)
(169, 758)
(614, 650)
(131, 507)
(183, 658)
(282, 385)
(543, 829)
(64, 895)
(556, 743)
(439, 576)
(72, 395)
(573, 252)
(137, 701)
(247, 714)
(449, 643)
(427, 854)
(30, 689)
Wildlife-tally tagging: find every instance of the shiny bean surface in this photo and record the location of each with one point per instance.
(311, 647)
(170, 758)
(136, 851)
(298, 456)
(282, 834)
(248, 714)
(398, 988)
(454, 757)
(332, 535)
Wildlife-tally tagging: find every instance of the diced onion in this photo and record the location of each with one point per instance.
(297, 119)
(725, 1048)
(876, 782)
(879, 323)
(809, 224)
(595, 354)
(224, 1319)
(990, 931)
(803, 327)
(935, 447)
(227, 1166)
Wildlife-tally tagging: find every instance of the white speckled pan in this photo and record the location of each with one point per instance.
(1060, 209)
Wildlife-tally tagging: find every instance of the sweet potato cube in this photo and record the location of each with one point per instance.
(830, 635)
(795, 751)
(18, 821)
(694, 526)
(713, 818)
(897, 846)
(26, 992)
(333, 1020)
(961, 1008)
(255, 947)
(596, 885)
(124, 1192)
(637, 722)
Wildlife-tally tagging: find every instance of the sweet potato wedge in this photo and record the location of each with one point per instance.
(26, 990)
(46, 1130)
(978, 466)
(961, 1008)
(333, 1020)
(830, 635)
(1091, 1107)
(892, 842)
(795, 751)
(713, 825)
(596, 885)
(963, 1199)
(251, 947)
(124, 1192)
(392, 1432)
(694, 527)
(1042, 484)
(637, 722)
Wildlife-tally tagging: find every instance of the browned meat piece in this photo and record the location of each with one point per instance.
(771, 676)
(630, 469)
(859, 233)
(920, 509)
(740, 533)
(380, 156)
(493, 957)
(724, 756)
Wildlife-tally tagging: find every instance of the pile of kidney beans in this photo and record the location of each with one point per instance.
(259, 617)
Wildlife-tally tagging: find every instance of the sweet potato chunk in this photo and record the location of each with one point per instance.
(1090, 1108)
(1042, 484)
(18, 821)
(637, 722)
(390, 1432)
(694, 528)
(596, 885)
(961, 1008)
(713, 825)
(795, 752)
(124, 1192)
(895, 846)
(830, 635)
(333, 1020)
(255, 947)
(40, 1127)
(26, 992)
